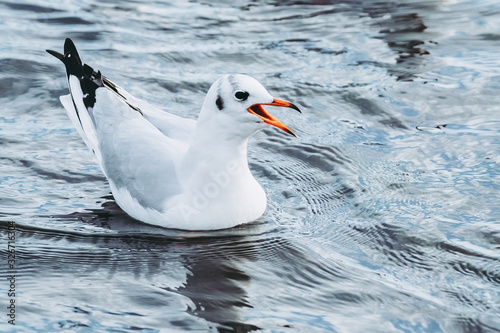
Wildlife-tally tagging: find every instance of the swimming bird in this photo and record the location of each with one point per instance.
(167, 170)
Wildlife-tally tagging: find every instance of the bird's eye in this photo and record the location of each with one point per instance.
(241, 95)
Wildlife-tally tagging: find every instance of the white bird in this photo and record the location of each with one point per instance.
(167, 170)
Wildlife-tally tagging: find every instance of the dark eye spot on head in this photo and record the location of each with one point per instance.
(219, 103)
(241, 95)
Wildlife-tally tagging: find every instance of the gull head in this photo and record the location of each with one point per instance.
(235, 104)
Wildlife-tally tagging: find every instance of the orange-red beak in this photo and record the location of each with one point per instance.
(259, 111)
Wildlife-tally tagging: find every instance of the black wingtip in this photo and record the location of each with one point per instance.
(56, 54)
(70, 48)
(70, 58)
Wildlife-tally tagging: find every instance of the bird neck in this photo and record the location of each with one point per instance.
(211, 154)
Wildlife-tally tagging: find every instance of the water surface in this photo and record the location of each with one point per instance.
(383, 214)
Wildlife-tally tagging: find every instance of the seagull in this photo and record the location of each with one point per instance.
(166, 170)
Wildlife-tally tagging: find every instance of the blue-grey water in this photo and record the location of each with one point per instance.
(383, 215)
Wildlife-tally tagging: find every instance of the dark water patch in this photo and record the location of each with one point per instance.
(8, 141)
(306, 44)
(30, 7)
(183, 86)
(85, 35)
(176, 57)
(69, 20)
(20, 67)
(490, 274)
(308, 15)
(404, 32)
(454, 248)
(397, 245)
(490, 37)
(11, 87)
(372, 108)
(66, 176)
(466, 324)
(323, 158)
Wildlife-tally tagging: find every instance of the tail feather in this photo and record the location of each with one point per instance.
(90, 80)
(83, 82)
(68, 104)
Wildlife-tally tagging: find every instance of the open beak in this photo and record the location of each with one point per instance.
(259, 111)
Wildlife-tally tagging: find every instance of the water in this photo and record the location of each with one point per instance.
(383, 214)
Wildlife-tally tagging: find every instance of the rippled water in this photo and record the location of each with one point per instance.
(383, 214)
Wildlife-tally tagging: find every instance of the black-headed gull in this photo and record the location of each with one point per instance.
(167, 170)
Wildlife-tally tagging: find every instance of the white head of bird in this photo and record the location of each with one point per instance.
(233, 108)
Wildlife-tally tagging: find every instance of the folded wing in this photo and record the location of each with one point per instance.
(137, 146)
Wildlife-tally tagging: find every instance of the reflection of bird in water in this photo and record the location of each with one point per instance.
(167, 170)
(217, 289)
(202, 266)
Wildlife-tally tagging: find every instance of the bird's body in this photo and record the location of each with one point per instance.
(167, 170)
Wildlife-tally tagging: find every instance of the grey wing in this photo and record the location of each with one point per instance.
(137, 157)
